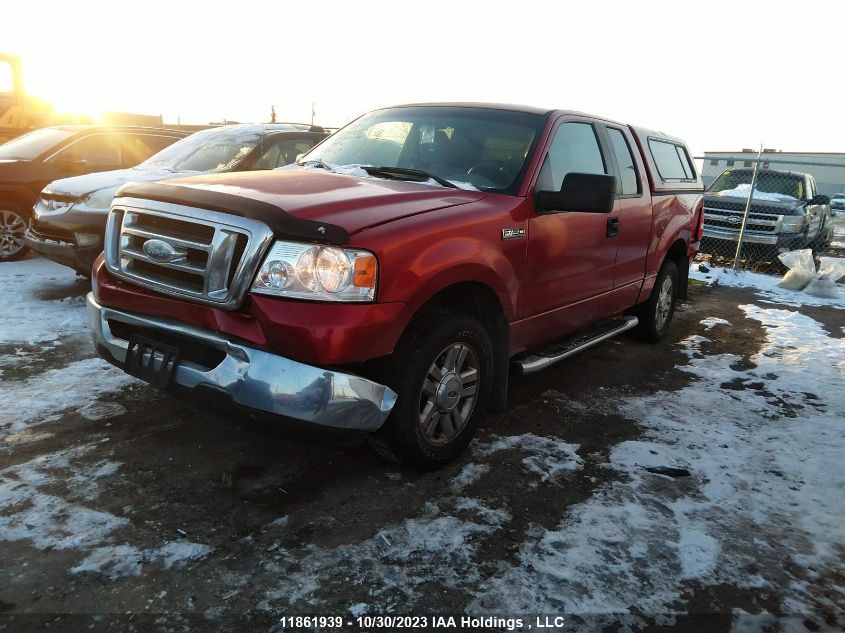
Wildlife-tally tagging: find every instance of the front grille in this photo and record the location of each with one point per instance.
(207, 256)
(710, 203)
(727, 219)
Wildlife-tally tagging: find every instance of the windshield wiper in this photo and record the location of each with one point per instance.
(401, 173)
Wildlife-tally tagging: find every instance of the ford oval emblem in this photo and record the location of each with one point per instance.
(159, 251)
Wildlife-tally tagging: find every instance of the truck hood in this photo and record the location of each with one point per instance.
(78, 187)
(352, 202)
(761, 205)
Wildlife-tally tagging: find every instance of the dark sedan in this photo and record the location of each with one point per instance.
(69, 219)
(33, 160)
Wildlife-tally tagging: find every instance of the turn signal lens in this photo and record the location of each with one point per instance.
(364, 273)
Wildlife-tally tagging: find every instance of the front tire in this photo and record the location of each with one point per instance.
(12, 227)
(442, 371)
(655, 315)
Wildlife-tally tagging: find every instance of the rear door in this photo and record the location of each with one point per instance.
(635, 216)
(571, 254)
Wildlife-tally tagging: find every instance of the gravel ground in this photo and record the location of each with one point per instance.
(690, 485)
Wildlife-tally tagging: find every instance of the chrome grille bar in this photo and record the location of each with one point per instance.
(205, 256)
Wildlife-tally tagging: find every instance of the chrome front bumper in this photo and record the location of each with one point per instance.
(719, 233)
(257, 379)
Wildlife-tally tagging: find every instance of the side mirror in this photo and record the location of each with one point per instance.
(590, 193)
(819, 199)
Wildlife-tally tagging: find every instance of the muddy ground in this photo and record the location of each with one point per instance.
(288, 524)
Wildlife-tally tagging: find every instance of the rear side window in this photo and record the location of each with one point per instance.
(97, 150)
(630, 181)
(671, 159)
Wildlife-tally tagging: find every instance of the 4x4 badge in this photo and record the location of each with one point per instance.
(513, 234)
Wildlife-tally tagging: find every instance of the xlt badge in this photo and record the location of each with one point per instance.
(513, 234)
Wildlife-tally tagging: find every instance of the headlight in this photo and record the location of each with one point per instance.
(49, 206)
(319, 273)
(792, 224)
(97, 202)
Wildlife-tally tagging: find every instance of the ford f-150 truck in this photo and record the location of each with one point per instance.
(391, 279)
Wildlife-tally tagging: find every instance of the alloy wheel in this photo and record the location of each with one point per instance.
(12, 227)
(448, 394)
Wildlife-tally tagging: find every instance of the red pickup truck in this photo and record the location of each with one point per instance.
(391, 279)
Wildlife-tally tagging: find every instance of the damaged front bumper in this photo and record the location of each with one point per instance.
(251, 377)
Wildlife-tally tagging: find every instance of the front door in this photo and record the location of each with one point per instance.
(571, 254)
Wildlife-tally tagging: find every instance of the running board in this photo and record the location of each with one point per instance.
(556, 352)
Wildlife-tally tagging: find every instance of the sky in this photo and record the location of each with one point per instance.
(721, 75)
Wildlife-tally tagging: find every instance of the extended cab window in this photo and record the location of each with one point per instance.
(575, 148)
(671, 159)
(630, 181)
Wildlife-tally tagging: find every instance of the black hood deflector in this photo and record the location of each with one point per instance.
(283, 225)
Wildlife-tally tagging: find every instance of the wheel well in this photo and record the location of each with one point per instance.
(678, 254)
(479, 301)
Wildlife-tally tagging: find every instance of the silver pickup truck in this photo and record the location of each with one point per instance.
(786, 213)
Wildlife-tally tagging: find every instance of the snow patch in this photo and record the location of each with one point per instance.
(550, 457)
(42, 397)
(710, 322)
(469, 475)
(765, 285)
(762, 507)
(24, 317)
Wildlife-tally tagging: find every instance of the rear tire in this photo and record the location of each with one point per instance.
(13, 223)
(442, 371)
(656, 313)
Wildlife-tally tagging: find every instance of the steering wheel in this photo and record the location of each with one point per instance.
(493, 172)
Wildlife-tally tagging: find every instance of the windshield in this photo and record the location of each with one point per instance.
(32, 145)
(482, 147)
(771, 185)
(218, 149)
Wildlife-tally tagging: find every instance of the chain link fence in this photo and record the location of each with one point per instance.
(758, 208)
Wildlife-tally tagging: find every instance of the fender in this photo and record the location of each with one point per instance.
(20, 194)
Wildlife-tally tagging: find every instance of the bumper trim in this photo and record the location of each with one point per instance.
(258, 379)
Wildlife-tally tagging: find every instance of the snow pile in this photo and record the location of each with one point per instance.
(762, 506)
(765, 285)
(744, 190)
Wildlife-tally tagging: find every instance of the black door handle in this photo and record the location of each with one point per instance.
(612, 227)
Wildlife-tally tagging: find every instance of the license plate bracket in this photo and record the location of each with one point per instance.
(150, 360)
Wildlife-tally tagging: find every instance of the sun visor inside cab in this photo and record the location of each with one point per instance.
(283, 225)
